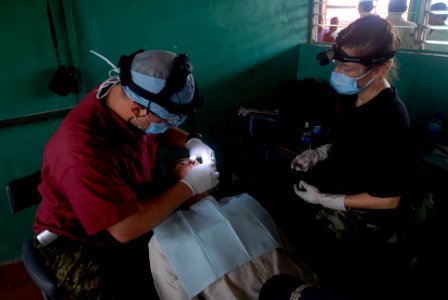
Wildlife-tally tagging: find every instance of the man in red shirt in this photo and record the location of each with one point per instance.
(331, 35)
(100, 197)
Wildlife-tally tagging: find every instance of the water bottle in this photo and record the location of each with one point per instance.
(316, 128)
(433, 132)
(317, 134)
(305, 138)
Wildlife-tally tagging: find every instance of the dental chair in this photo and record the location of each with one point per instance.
(22, 193)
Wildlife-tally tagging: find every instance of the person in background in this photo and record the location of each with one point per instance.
(365, 8)
(437, 34)
(322, 30)
(100, 196)
(406, 29)
(242, 281)
(354, 185)
(330, 36)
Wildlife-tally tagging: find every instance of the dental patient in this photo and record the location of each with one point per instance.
(226, 249)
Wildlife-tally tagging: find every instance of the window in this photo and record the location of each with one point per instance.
(421, 24)
(433, 33)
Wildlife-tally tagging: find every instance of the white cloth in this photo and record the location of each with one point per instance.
(225, 250)
(213, 238)
(243, 283)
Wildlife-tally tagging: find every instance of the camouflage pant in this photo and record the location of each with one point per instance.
(77, 270)
(97, 272)
(356, 224)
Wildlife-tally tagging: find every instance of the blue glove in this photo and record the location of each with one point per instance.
(198, 149)
(312, 195)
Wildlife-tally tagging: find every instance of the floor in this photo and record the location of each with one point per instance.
(15, 284)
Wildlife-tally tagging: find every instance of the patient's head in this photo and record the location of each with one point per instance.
(181, 166)
(178, 170)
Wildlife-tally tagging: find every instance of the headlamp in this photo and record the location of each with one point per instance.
(174, 83)
(336, 52)
(324, 57)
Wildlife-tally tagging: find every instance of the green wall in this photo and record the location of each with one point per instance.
(240, 50)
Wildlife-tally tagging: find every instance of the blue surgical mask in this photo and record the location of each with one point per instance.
(347, 85)
(153, 128)
(156, 128)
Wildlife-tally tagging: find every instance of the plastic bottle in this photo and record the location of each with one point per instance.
(316, 127)
(305, 138)
(317, 134)
(433, 132)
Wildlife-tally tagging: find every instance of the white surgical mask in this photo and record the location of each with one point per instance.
(347, 85)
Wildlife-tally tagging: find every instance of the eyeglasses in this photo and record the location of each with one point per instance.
(348, 69)
(172, 122)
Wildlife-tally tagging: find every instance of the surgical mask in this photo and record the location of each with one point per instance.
(153, 128)
(156, 128)
(347, 85)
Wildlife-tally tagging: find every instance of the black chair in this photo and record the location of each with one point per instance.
(263, 130)
(22, 193)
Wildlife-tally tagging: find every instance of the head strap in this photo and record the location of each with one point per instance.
(174, 83)
(368, 61)
(336, 52)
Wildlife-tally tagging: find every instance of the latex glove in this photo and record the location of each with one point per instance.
(198, 149)
(312, 195)
(309, 158)
(201, 178)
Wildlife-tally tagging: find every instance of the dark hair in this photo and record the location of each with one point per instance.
(397, 6)
(366, 6)
(279, 287)
(370, 36)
